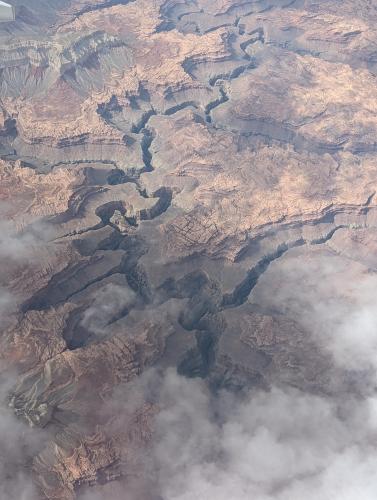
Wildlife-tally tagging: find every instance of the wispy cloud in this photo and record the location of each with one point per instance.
(281, 444)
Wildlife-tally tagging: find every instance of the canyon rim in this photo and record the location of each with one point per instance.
(188, 250)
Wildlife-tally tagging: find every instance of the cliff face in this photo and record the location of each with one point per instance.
(177, 177)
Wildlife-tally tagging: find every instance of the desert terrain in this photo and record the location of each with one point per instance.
(188, 243)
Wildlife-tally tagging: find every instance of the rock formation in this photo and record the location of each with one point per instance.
(171, 170)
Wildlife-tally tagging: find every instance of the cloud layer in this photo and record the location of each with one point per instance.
(281, 445)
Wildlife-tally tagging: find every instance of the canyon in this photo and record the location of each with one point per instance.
(182, 184)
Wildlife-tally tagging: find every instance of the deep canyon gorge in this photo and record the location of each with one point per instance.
(187, 240)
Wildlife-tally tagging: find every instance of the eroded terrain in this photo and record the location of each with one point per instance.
(184, 184)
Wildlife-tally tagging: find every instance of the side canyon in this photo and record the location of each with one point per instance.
(187, 187)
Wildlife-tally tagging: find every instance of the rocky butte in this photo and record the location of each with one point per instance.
(188, 245)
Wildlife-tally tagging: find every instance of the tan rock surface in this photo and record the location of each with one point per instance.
(169, 171)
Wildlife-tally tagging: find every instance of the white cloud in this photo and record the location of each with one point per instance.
(109, 302)
(277, 445)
